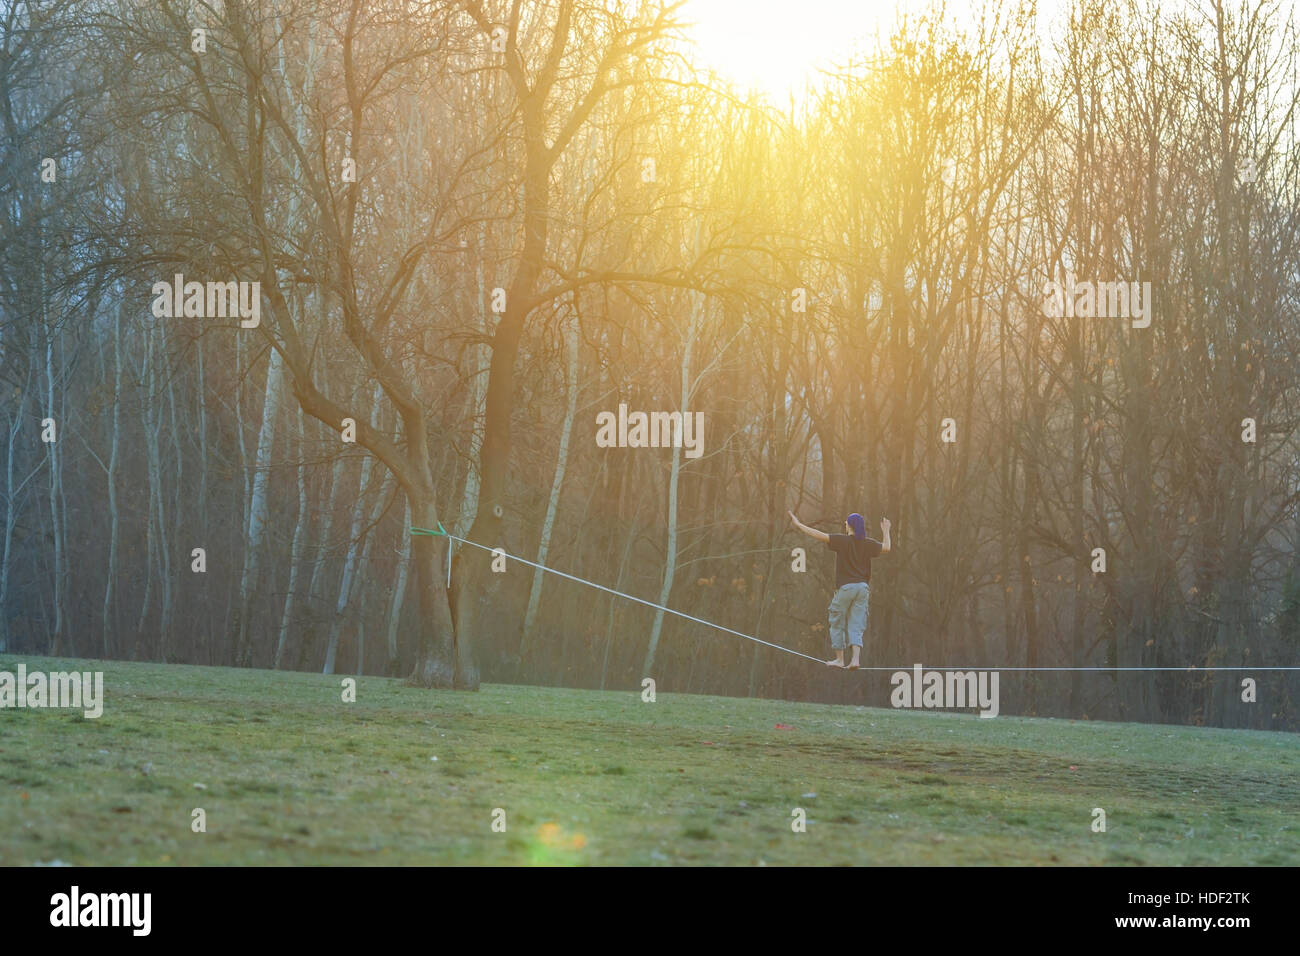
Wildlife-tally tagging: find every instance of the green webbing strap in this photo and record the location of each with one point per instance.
(441, 532)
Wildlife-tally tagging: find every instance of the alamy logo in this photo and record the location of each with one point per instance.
(946, 689)
(651, 430)
(213, 300)
(1088, 299)
(102, 909)
(56, 689)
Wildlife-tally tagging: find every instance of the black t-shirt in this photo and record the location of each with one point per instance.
(853, 558)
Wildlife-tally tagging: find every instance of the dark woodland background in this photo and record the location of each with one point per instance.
(648, 225)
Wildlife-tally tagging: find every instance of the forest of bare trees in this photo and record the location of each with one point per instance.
(475, 225)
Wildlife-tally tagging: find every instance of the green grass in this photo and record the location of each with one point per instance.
(292, 775)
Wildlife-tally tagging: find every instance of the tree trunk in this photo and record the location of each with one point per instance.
(376, 511)
(399, 594)
(147, 380)
(11, 496)
(165, 549)
(257, 506)
(553, 503)
(437, 665)
(58, 638)
(670, 557)
(322, 544)
(107, 621)
(202, 398)
(354, 545)
(296, 549)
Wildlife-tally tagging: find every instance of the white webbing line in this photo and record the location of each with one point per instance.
(789, 650)
(631, 597)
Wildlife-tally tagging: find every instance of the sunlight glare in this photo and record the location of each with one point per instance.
(776, 46)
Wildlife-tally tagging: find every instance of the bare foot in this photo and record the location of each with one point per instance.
(836, 663)
(854, 666)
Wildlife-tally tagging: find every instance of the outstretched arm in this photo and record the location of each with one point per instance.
(821, 536)
(884, 536)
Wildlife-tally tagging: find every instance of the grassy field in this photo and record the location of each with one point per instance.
(287, 773)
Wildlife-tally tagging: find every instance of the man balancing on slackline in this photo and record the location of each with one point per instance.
(853, 554)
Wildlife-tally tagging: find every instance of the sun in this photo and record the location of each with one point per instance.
(776, 47)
